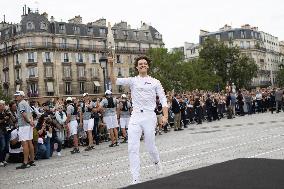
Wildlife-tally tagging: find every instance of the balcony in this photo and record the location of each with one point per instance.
(18, 81)
(82, 78)
(135, 50)
(65, 78)
(59, 46)
(32, 94)
(32, 78)
(5, 68)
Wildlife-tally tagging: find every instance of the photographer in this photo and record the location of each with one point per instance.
(4, 124)
(44, 134)
(15, 148)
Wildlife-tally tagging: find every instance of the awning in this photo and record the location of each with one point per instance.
(17, 87)
(97, 84)
(50, 87)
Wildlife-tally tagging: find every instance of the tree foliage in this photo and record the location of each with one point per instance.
(280, 78)
(228, 63)
(175, 73)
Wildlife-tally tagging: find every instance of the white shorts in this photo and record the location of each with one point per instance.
(73, 127)
(111, 122)
(25, 133)
(124, 121)
(88, 125)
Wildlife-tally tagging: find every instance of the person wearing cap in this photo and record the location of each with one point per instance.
(26, 125)
(124, 115)
(109, 105)
(144, 90)
(86, 119)
(72, 113)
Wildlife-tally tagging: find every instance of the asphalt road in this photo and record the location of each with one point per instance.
(255, 136)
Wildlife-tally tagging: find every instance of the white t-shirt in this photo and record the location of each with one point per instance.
(144, 91)
(14, 134)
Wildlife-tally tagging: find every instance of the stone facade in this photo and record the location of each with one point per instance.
(260, 46)
(44, 57)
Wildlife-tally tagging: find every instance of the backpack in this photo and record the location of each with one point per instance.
(110, 103)
(124, 106)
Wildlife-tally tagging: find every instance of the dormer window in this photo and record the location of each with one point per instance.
(146, 34)
(102, 30)
(30, 26)
(125, 33)
(43, 26)
(61, 27)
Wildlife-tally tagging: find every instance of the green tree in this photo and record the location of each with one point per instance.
(243, 71)
(280, 78)
(3, 96)
(175, 73)
(228, 63)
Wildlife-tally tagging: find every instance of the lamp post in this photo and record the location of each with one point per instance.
(103, 64)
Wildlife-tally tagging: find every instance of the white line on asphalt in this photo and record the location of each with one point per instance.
(145, 153)
(268, 152)
(189, 156)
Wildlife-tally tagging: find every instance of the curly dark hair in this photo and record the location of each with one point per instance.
(140, 58)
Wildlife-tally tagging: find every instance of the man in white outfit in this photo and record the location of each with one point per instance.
(144, 90)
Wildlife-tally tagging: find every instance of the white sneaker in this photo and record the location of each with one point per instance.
(58, 154)
(159, 168)
(1, 164)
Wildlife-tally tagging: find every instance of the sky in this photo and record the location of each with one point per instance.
(178, 21)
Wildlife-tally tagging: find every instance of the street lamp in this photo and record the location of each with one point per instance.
(103, 64)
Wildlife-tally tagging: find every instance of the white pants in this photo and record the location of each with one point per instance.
(73, 127)
(124, 121)
(25, 133)
(88, 125)
(146, 122)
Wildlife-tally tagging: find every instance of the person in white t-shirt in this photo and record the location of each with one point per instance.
(144, 90)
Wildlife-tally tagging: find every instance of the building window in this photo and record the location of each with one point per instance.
(47, 57)
(18, 74)
(231, 35)
(30, 26)
(63, 43)
(77, 43)
(32, 72)
(93, 58)
(48, 71)
(248, 44)
(243, 34)
(82, 87)
(61, 27)
(45, 41)
(102, 30)
(241, 44)
(119, 73)
(96, 89)
(49, 89)
(33, 90)
(31, 57)
(65, 57)
(125, 33)
(30, 42)
(79, 58)
(90, 30)
(43, 26)
(135, 33)
(218, 37)
(81, 71)
(146, 34)
(68, 88)
(17, 59)
(118, 59)
(67, 71)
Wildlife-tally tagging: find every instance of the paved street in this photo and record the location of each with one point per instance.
(256, 136)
